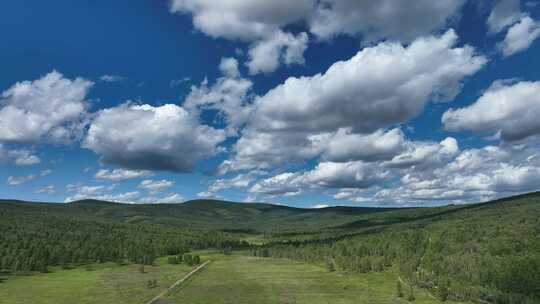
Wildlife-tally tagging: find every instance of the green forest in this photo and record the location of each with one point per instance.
(487, 253)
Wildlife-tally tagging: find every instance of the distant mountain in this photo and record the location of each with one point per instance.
(210, 214)
(256, 217)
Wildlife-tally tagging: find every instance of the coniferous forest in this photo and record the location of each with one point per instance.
(487, 252)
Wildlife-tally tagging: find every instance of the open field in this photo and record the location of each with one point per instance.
(105, 284)
(239, 279)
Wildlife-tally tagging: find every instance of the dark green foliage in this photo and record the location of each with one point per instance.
(399, 289)
(36, 236)
(488, 252)
(151, 284)
(484, 253)
(410, 296)
(191, 260)
(172, 260)
(329, 265)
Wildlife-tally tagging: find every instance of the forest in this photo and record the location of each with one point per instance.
(488, 252)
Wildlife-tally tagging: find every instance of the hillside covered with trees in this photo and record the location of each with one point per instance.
(486, 252)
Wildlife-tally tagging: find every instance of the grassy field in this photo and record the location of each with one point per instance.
(105, 284)
(239, 279)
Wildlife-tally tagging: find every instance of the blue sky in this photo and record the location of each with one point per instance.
(308, 103)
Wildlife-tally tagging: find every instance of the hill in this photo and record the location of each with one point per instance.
(487, 252)
(203, 214)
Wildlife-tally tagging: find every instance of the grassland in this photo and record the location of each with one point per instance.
(105, 284)
(241, 279)
(229, 279)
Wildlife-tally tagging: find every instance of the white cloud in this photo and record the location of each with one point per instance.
(100, 192)
(361, 94)
(266, 55)
(282, 184)
(49, 109)
(228, 95)
(473, 175)
(229, 67)
(254, 20)
(155, 185)
(358, 95)
(346, 146)
(172, 198)
(239, 181)
(509, 109)
(355, 174)
(19, 157)
(389, 19)
(111, 78)
(319, 206)
(126, 197)
(422, 154)
(503, 14)
(151, 138)
(19, 180)
(105, 193)
(117, 175)
(46, 190)
(520, 36)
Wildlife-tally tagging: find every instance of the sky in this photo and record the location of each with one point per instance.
(307, 103)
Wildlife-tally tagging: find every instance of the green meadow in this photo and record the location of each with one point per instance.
(241, 279)
(103, 283)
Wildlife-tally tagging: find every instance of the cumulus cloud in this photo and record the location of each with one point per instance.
(263, 24)
(49, 109)
(256, 22)
(357, 95)
(228, 96)
(155, 185)
(361, 94)
(265, 55)
(282, 184)
(355, 174)
(118, 175)
(143, 137)
(244, 20)
(503, 14)
(418, 153)
(382, 19)
(508, 109)
(520, 36)
(475, 174)
(252, 20)
(99, 192)
(19, 157)
(239, 181)
(346, 146)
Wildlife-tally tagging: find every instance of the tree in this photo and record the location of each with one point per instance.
(411, 296)
(172, 260)
(443, 290)
(399, 289)
(329, 264)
